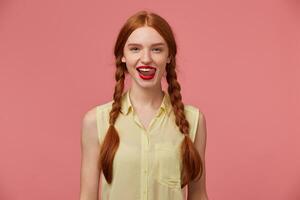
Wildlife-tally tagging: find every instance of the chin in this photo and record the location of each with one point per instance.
(146, 84)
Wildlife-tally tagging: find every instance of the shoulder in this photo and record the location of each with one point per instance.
(194, 110)
(195, 117)
(105, 106)
(102, 113)
(89, 126)
(90, 121)
(198, 127)
(190, 108)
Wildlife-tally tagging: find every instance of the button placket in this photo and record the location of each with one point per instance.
(144, 164)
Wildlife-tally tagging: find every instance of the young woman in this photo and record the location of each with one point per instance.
(145, 143)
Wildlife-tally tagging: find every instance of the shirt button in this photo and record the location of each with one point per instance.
(145, 171)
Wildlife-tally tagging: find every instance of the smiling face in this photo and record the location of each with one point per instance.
(146, 55)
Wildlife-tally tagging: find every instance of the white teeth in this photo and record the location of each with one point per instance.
(144, 69)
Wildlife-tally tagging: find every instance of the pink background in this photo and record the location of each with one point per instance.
(238, 61)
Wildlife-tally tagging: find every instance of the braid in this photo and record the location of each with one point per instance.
(191, 160)
(111, 141)
(176, 99)
(119, 87)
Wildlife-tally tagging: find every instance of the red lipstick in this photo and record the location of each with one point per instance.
(146, 72)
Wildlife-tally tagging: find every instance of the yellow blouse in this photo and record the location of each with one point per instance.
(147, 164)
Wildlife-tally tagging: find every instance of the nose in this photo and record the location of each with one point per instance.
(146, 57)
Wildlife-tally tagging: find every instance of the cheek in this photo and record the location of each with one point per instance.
(161, 60)
(131, 61)
(131, 66)
(163, 71)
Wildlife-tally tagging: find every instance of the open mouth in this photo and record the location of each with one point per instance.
(146, 72)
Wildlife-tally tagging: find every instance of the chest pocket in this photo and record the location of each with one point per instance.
(167, 165)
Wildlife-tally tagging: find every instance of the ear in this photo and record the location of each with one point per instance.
(123, 59)
(168, 60)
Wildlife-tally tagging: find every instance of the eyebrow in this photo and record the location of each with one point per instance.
(137, 44)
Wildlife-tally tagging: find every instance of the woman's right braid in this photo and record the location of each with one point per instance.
(119, 87)
(111, 141)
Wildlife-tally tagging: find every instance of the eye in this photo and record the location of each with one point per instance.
(133, 49)
(157, 49)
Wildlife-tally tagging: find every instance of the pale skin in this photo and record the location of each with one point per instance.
(145, 46)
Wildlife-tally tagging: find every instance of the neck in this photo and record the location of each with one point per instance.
(146, 98)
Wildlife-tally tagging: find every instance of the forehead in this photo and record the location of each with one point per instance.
(145, 35)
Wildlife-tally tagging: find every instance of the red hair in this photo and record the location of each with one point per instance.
(191, 161)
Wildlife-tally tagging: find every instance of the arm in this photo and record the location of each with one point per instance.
(89, 173)
(197, 190)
